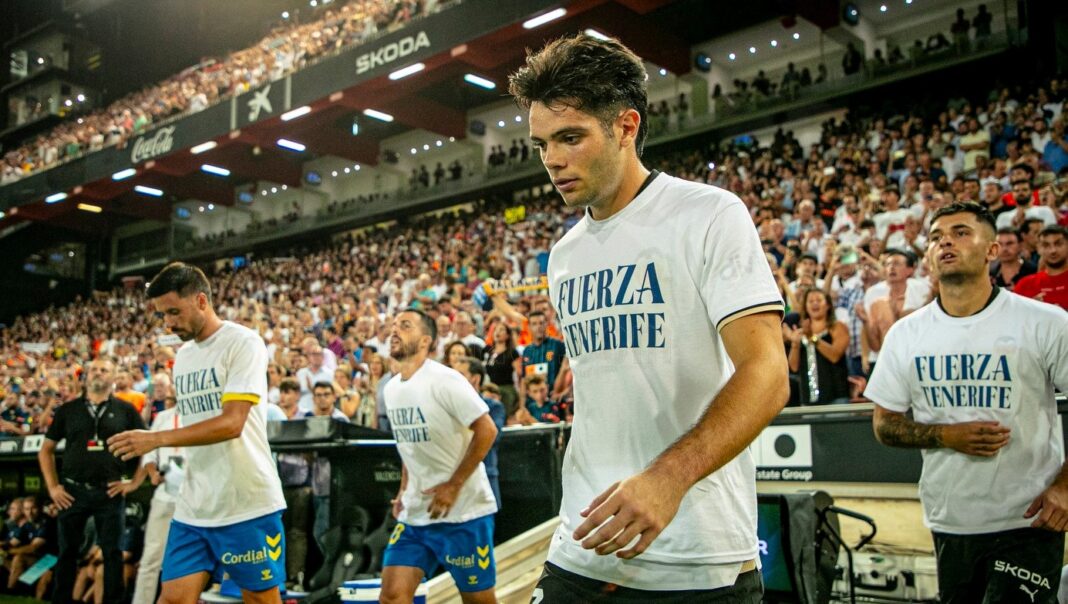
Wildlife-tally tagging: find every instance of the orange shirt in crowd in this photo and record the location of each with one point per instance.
(133, 397)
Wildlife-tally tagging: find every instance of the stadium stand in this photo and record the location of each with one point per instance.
(842, 213)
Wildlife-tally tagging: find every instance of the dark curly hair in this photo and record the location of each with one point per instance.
(598, 77)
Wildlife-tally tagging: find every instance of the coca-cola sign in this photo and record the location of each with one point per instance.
(153, 145)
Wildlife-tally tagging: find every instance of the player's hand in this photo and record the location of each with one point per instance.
(132, 443)
(982, 439)
(1051, 509)
(120, 487)
(398, 506)
(155, 478)
(445, 495)
(60, 497)
(642, 505)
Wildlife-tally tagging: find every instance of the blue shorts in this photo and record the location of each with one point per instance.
(252, 552)
(465, 549)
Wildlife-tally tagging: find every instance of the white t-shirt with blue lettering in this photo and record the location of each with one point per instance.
(1000, 364)
(235, 480)
(431, 414)
(641, 297)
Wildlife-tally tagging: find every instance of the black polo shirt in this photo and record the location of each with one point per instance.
(75, 422)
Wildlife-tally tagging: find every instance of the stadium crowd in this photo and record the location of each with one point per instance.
(288, 47)
(843, 223)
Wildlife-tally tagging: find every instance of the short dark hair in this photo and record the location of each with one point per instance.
(1025, 167)
(1009, 231)
(980, 212)
(323, 384)
(430, 326)
(910, 258)
(598, 77)
(1054, 229)
(180, 278)
(535, 313)
(289, 385)
(475, 367)
(1026, 226)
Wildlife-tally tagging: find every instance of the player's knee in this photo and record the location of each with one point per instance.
(172, 596)
(395, 593)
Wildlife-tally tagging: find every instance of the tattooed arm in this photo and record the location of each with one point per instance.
(983, 439)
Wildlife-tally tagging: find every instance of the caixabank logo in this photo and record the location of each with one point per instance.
(784, 453)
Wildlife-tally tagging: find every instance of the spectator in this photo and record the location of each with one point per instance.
(445, 337)
(538, 404)
(544, 356)
(165, 472)
(454, 351)
(892, 299)
(14, 520)
(314, 372)
(852, 60)
(817, 351)
(1029, 243)
(124, 391)
(959, 30)
(294, 470)
(982, 22)
(503, 364)
(1010, 267)
(36, 537)
(1050, 284)
(1055, 152)
(465, 331)
(974, 143)
(324, 397)
(1024, 198)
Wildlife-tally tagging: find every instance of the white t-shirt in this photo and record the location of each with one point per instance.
(431, 414)
(641, 297)
(1043, 213)
(1000, 364)
(234, 480)
(885, 220)
(917, 293)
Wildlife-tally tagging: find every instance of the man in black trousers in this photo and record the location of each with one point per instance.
(94, 482)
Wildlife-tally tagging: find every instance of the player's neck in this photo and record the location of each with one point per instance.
(410, 365)
(966, 299)
(211, 325)
(634, 174)
(1053, 272)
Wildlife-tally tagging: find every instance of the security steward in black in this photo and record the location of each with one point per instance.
(94, 482)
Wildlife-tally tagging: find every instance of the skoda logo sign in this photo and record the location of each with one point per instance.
(391, 52)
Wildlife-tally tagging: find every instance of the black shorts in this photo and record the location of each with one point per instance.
(1022, 565)
(558, 586)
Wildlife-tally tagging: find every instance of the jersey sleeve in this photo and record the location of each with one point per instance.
(888, 386)
(460, 399)
(246, 377)
(736, 280)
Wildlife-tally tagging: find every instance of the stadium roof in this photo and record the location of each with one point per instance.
(482, 37)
